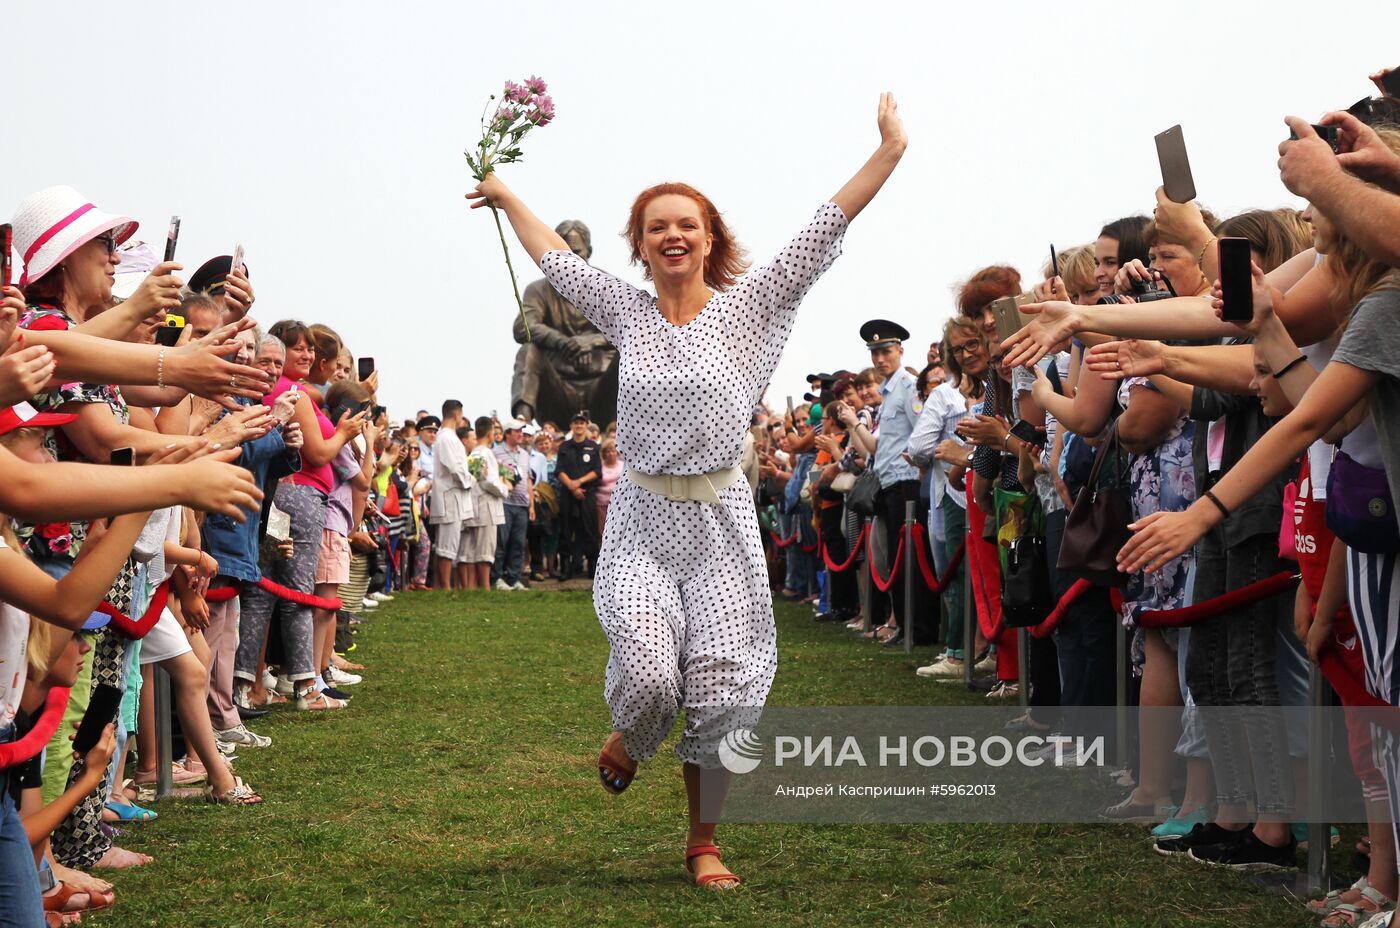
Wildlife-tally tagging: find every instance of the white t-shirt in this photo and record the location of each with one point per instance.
(14, 635)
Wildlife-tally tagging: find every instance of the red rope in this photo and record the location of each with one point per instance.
(296, 596)
(34, 741)
(782, 543)
(884, 584)
(137, 629)
(921, 549)
(221, 594)
(852, 554)
(1072, 595)
(1235, 599)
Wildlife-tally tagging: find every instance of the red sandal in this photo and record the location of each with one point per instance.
(620, 778)
(708, 879)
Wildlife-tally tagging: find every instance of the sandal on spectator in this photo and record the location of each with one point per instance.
(1127, 810)
(311, 701)
(1373, 902)
(130, 812)
(612, 767)
(240, 795)
(716, 881)
(65, 898)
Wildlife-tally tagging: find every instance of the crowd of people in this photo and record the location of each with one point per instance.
(1217, 437)
(186, 488)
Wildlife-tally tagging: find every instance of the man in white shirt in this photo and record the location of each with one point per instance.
(450, 502)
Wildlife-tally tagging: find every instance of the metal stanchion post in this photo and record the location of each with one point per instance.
(1120, 652)
(1023, 660)
(910, 566)
(165, 781)
(969, 615)
(1319, 743)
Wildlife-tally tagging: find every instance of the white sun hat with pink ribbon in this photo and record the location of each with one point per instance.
(52, 224)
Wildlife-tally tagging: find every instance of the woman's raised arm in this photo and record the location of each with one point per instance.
(535, 237)
(861, 189)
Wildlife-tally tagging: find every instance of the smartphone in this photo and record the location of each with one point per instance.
(1176, 169)
(237, 258)
(344, 407)
(1007, 311)
(1236, 282)
(171, 237)
(169, 334)
(123, 457)
(366, 367)
(1028, 433)
(7, 241)
(101, 712)
(1391, 83)
(1054, 261)
(1332, 135)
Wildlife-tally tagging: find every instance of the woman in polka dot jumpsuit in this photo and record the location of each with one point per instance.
(681, 587)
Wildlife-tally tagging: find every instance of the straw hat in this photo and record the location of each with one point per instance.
(51, 224)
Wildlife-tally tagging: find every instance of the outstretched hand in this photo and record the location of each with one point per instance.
(1130, 357)
(1055, 323)
(489, 192)
(891, 126)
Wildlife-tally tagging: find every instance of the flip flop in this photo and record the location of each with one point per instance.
(130, 812)
(707, 880)
(621, 778)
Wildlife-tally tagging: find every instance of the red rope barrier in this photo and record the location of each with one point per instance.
(1235, 599)
(853, 553)
(296, 596)
(884, 584)
(1072, 596)
(34, 741)
(221, 594)
(136, 629)
(784, 543)
(921, 548)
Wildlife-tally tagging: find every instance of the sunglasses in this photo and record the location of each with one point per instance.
(109, 241)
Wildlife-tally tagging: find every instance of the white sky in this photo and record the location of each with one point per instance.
(327, 137)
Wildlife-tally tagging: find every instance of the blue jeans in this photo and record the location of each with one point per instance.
(510, 545)
(20, 902)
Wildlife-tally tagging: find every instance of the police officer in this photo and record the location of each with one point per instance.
(579, 469)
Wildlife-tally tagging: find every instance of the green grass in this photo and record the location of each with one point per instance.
(460, 789)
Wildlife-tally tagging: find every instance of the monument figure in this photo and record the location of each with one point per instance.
(568, 365)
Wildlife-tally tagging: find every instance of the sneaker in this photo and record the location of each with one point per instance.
(1248, 853)
(945, 668)
(369, 604)
(519, 586)
(227, 748)
(241, 735)
(381, 597)
(334, 693)
(1202, 835)
(1180, 825)
(1300, 834)
(284, 687)
(503, 586)
(241, 699)
(270, 680)
(987, 663)
(336, 677)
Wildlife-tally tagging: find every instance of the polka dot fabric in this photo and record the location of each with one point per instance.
(681, 588)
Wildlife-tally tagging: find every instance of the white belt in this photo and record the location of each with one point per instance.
(679, 488)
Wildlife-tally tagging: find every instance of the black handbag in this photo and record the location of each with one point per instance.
(1097, 526)
(1025, 588)
(861, 498)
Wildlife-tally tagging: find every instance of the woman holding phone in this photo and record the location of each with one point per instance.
(682, 587)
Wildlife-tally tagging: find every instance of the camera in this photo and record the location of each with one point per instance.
(1332, 135)
(1148, 291)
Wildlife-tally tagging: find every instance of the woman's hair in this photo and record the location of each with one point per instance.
(726, 260)
(37, 648)
(1076, 268)
(950, 362)
(608, 444)
(921, 381)
(326, 343)
(1354, 272)
(867, 377)
(1154, 237)
(1276, 234)
(341, 391)
(484, 425)
(1130, 234)
(289, 332)
(987, 286)
(47, 290)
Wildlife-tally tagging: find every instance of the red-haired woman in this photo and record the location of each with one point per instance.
(681, 587)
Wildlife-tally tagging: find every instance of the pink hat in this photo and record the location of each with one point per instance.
(51, 224)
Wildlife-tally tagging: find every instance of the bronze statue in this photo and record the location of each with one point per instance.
(568, 365)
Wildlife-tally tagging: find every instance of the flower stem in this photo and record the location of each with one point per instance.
(511, 268)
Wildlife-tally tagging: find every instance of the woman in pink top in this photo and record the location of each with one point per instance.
(303, 497)
(612, 469)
